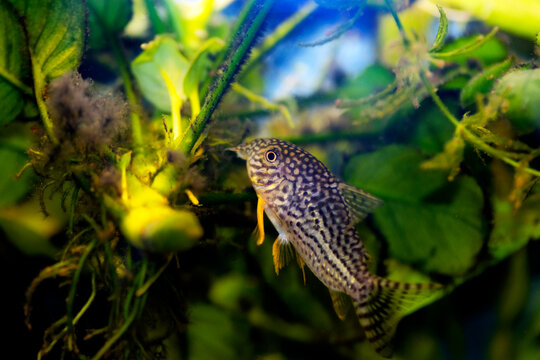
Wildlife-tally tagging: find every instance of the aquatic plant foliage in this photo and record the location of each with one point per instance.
(114, 120)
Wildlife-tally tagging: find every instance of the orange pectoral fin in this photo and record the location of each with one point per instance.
(282, 252)
(260, 220)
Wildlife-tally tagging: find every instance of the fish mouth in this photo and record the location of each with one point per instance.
(240, 150)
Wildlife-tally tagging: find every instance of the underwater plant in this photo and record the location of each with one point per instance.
(136, 224)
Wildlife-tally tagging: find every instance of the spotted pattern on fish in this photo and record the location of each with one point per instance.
(307, 205)
(303, 201)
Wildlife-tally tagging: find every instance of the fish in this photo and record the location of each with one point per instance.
(315, 215)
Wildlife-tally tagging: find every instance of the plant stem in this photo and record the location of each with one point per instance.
(437, 99)
(461, 129)
(390, 91)
(143, 289)
(468, 135)
(88, 302)
(220, 58)
(139, 280)
(73, 241)
(238, 49)
(468, 48)
(346, 103)
(116, 335)
(406, 41)
(72, 209)
(496, 153)
(127, 302)
(176, 105)
(38, 91)
(73, 289)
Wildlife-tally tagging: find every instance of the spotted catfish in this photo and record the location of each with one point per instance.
(316, 213)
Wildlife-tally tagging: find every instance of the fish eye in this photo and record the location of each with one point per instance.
(271, 156)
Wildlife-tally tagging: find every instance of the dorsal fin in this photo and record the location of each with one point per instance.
(359, 202)
(341, 303)
(386, 305)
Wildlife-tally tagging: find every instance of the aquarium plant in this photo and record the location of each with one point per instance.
(129, 229)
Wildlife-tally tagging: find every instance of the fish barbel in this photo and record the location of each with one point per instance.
(316, 213)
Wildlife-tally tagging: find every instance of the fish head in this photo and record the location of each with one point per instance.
(265, 161)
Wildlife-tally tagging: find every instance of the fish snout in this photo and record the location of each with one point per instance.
(240, 150)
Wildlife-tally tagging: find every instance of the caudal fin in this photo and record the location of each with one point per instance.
(386, 305)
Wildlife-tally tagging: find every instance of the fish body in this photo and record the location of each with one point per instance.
(316, 213)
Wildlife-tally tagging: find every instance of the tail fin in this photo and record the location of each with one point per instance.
(386, 305)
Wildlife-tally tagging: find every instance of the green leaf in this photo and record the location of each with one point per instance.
(106, 19)
(14, 65)
(160, 58)
(441, 32)
(373, 79)
(55, 30)
(393, 172)
(483, 82)
(433, 129)
(521, 91)
(513, 229)
(427, 222)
